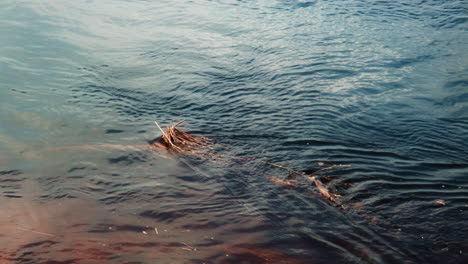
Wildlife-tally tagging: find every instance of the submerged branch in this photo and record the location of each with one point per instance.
(179, 141)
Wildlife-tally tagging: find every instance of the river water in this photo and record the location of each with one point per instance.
(380, 87)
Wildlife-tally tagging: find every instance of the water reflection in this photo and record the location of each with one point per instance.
(83, 212)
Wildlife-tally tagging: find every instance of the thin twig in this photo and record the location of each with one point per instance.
(163, 133)
(188, 247)
(37, 232)
(328, 168)
(262, 161)
(178, 123)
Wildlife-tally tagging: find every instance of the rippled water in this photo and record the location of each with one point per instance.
(378, 86)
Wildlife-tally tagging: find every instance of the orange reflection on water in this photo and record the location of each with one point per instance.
(83, 231)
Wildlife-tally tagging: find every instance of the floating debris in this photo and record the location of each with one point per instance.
(179, 141)
(188, 247)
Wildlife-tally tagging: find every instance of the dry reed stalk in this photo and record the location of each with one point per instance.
(329, 168)
(179, 141)
(37, 232)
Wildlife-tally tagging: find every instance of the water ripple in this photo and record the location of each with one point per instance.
(379, 86)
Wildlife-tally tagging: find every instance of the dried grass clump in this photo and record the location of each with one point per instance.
(177, 140)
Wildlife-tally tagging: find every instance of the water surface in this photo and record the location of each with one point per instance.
(378, 86)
